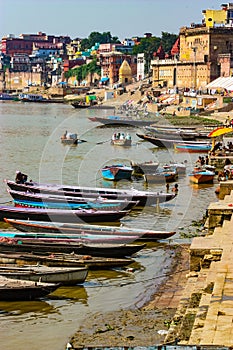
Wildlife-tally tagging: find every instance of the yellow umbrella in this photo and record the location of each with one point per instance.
(220, 131)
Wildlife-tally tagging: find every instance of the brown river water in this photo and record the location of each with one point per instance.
(30, 141)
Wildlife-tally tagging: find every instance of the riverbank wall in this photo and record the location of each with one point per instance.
(204, 316)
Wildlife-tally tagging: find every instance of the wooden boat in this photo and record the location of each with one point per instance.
(167, 142)
(54, 205)
(68, 228)
(32, 98)
(201, 176)
(61, 215)
(120, 139)
(7, 97)
(182, 132)
(180, 167)
(71, 139)
(145, 167)
(39, 245)
(17, 290)
(77, 104)
(56, 201)
(63, 260)
(193, 148)
(45, 274)
(161, 176)
(124, 142)
(117, 172)
(120, 120)
(80, 105)
(143, 197)
(43, 246)
(75, 238)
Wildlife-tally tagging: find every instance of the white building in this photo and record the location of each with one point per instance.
(140, 66)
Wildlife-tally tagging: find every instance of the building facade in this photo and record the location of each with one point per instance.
(111, 62)
(203, 52)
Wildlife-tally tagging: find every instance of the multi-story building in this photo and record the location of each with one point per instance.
(203, 49)
(140, 66)
(111, 62)
(11, 45)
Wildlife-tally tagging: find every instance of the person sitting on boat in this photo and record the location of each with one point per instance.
(114, 136)
(122, 136)
(20, 177)
(128, 136)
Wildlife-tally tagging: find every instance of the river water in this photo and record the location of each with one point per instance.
(30, 141)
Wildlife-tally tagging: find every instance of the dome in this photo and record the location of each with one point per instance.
(125, 68)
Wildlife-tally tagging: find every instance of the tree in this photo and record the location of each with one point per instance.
(168, 40)
(82, 72)
(96, 37)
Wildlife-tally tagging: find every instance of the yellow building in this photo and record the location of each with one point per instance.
(213, 17)
(125, 73)
(199, 59)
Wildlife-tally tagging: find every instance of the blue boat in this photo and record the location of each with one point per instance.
(117, 172)
(192, 147)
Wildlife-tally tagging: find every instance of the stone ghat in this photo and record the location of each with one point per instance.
(204, 316)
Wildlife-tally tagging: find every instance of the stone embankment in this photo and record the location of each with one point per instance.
(204, 316)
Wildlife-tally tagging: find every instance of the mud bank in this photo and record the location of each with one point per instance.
(146, 326)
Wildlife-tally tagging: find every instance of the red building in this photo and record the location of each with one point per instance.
(24, 43)
(111, 62)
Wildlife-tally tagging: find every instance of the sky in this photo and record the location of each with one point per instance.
(122, 18)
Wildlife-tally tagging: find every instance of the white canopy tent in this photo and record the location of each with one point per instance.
(221, 83)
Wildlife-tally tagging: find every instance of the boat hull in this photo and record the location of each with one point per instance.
(116, 173)
(62, 202)
(70, 229)
(192, 148)
(117, 120)
(143, 197)
(64, 276)
(161, 178)
(17, 290)
(124, 143)
(64, 260)
(61, 215)
(201, 179)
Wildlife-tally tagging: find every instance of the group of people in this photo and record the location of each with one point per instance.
(202, 161)
(121, 136)
(227, 173)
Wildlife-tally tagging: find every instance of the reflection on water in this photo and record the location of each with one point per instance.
(36, 308)
(73, 293)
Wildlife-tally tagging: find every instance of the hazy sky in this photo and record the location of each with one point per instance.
(78, 18)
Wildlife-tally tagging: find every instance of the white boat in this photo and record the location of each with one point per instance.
(46, 274)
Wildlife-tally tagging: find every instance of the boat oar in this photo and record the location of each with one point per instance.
(100, 143)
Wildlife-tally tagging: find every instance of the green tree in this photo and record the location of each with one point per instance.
(168, 40)
(82, 72)
(96, 37)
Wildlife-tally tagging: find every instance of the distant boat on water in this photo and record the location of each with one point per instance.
(117, 172)
(7, 97)
(201, 176)
(120, 120)
(192, 148)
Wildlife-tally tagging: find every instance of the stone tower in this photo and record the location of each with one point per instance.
(125, 73)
